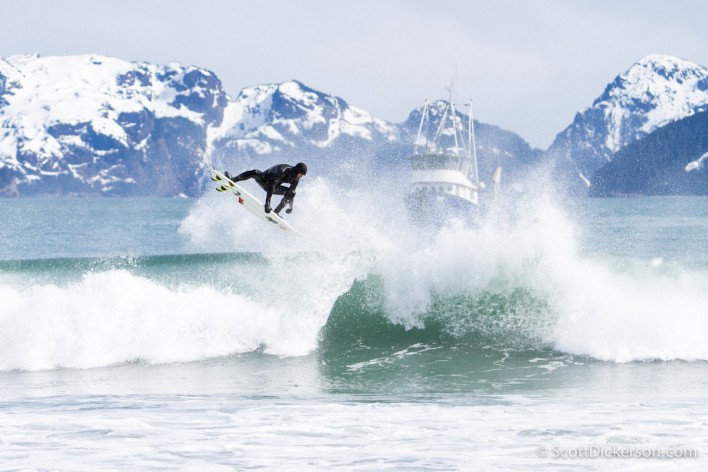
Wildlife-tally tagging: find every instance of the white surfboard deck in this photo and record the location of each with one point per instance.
(251, 203)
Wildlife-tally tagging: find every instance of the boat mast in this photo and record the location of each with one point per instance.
(423, 116)
(442, 124)
(472, 144)
(452, 117)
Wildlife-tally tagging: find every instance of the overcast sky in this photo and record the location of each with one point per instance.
(529, 65)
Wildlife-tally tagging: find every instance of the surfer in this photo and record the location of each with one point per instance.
(272, 180)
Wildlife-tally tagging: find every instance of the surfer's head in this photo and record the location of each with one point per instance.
(300, 169)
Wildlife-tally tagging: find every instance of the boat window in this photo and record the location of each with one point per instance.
(436, 161)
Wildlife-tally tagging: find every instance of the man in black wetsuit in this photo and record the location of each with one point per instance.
(272, 181)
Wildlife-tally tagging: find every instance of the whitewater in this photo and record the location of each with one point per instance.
(142, 334)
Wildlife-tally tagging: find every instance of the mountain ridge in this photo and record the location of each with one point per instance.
(669, 161)
(97, 125)
(653, 92)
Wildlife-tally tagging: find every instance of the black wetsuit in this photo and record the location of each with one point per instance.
(272, 180)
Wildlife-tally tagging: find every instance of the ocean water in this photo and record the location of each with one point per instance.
(157, 334)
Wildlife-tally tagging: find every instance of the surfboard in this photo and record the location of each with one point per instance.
(250, 203)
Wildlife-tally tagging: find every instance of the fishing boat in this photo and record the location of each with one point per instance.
(445, 178)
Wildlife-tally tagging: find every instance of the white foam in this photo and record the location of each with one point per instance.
(625, 317)
(114, 317)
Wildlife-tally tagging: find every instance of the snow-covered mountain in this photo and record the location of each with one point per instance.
(290, 121)
(655, 91)
(103, 126)
(98, 125)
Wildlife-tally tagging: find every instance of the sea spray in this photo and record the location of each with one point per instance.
(552, 294)
(519, 277)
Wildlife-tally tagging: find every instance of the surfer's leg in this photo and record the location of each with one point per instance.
(258, 177)
(249, 174)
(255, 174)
(287, 199)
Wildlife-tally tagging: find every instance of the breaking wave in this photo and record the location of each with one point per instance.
(361, 277)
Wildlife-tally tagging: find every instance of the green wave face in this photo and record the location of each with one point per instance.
(461, 343)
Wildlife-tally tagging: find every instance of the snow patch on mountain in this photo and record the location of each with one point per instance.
(81, 90)
(697, 164)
